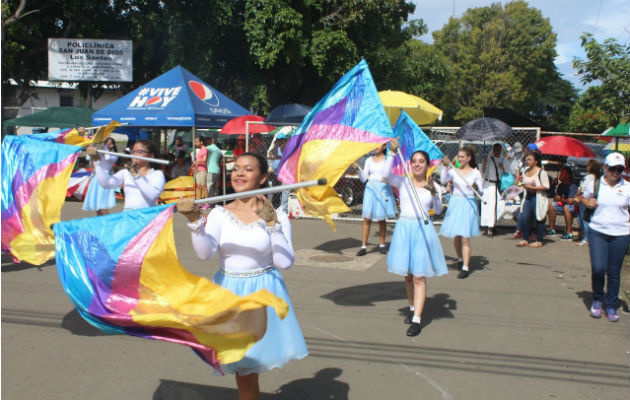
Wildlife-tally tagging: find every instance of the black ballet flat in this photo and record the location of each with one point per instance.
(463, 274)
(362, 252)
(414, 329)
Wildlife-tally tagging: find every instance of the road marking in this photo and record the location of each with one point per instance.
(445, 394)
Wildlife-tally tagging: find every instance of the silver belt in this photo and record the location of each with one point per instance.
(248, 274)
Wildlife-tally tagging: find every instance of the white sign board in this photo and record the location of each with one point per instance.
(90, 60)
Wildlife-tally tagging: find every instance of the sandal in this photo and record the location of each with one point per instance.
(535, 244)
(522, 243)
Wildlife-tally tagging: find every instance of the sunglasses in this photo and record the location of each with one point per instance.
(618, 169)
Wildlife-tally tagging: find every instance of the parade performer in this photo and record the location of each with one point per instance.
(253, 242)
(98, 198)
(608, 234)
(461, 221)
(378, 199)
(492, 167)
(142, 184)
(415, 251)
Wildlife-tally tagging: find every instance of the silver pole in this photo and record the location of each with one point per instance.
(123, 155)
(412, 187)
(250, 193)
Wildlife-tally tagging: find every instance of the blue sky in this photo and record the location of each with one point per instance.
(569, 18)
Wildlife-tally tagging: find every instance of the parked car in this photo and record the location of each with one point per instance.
(578, 164)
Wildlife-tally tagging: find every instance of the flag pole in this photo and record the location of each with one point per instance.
(412, 187)
(125, 155)
(250, 193)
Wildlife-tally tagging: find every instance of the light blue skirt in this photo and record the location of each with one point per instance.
(462, 217)
(97, 197)
(283, 341)
(379, 202)
(415, 249)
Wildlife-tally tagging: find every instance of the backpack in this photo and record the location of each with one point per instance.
(588, 212)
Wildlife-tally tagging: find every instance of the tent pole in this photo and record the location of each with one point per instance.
(246, 135)
(194, 162)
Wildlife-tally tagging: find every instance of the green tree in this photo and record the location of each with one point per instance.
(501, 56)
(608, 63)
(588, 115)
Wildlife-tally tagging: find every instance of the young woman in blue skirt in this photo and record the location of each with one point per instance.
(461, 221)
(253, 242)
(379, 202)
(97, 197)
(415, 251)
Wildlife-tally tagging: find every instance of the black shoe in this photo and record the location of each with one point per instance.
(362, 252)
(414, 329)
(409, 317)
(460, 264)
(382, 249)
(463, 274)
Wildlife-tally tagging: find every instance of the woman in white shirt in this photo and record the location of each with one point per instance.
(379, 202)
(594, 172)
(141, 183)
(609, 234)
(492, 168)
(415, 251)
(253, 243)
(534, 206)
(461, 221)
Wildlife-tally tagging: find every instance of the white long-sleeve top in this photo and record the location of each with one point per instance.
(372, 170)
(408, 207)
(140, 192)
(244, 247)
(461, 186)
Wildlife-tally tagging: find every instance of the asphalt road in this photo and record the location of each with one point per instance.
(517, 328)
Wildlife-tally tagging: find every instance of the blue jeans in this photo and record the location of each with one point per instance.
(527, 216)
(583, 223)
(607, 254)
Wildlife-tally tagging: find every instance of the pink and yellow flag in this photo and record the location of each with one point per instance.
(347, 123)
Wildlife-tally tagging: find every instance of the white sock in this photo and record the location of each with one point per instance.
(411, 308)
(415, 319)
(465, 268)
(381, 245)
(363, 247)
(460, 260)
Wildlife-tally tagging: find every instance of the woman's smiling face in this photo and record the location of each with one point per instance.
(246, 174)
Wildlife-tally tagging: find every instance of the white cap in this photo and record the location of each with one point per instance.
(518, 147)
(614, 159)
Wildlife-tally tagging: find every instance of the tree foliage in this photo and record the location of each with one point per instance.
(608, 63)
(500, 56)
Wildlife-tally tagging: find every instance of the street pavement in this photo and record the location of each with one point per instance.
(517, 328)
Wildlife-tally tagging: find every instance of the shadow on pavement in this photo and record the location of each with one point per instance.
(75, 324)
(322, 386)
(367, 295)
(437, 307)
(336, 246)
(8, 265)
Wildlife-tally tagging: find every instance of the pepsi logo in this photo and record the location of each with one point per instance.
(153, 101)
(204, 93)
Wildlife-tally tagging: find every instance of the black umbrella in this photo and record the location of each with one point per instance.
(287, 114)
(484, 129)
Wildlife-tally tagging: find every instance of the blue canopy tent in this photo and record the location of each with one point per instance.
(174, 99)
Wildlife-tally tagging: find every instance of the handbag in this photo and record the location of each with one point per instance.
(588, 212)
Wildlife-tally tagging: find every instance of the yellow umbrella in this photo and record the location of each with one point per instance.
(421, 111)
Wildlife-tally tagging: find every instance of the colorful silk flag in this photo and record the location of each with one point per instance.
(77, 137)
(122, 274)
(35, 178)
(79, 184)
(347, 123)
(411, 138)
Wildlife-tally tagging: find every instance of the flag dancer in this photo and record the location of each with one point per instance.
(461, 221)
(253, 242)
(98, 198)
(415, 250)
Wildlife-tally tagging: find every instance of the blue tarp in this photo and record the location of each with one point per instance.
(176, 98)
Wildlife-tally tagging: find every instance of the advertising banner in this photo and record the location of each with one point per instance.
(90, 60)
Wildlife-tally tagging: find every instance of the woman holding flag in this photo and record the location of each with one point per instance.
(378, 199)
(415, 251)
(461, 221)
(98, 198)
(142, 184)
(253, 242)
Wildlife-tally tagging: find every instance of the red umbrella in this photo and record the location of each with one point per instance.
(563, 146)
(238, 125)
